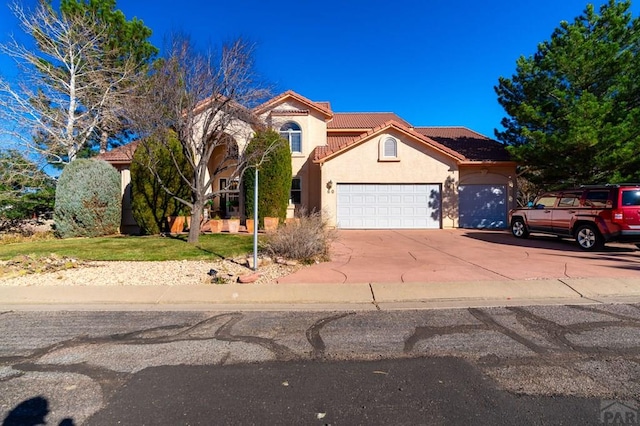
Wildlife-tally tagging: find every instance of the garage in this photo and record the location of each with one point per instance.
(388, 206)
(483, 206)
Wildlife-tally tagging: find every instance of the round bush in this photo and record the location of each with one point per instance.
(151, 204)
(88, 200)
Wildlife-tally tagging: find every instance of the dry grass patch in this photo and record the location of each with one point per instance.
(31, 264)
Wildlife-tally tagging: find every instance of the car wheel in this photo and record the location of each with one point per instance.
(588, 237)
(519, 229)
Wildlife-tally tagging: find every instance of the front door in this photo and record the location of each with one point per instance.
(229, 198)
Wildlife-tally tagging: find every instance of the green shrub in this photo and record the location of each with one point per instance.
(151, 204)
(307, 238)
(25, 191)
(274, 176)
(88, 200)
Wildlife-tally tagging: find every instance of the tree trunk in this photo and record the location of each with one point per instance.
(104, 137)
(194, 229)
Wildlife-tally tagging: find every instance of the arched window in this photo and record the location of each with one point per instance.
(293, 133)
(390, 148)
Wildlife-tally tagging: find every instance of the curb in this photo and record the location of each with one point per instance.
(360, 296)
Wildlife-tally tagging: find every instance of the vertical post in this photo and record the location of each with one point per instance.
(255, 223)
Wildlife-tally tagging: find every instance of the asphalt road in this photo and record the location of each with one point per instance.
(517, 365)
(430, 391)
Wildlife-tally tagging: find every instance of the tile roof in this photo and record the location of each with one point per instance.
(120, 155)
(472, 145)
(336, 144)
(345, 130)
(323, 107)
(362, 120)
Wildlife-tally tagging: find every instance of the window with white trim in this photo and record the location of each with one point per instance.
(292, 133)
(390, 148)
(296, 191)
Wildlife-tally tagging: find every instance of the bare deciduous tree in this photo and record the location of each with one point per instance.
(68, 95)
(206, 99)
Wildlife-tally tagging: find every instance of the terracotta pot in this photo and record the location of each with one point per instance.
(176, 224)
(292, 221)
(215, 225)
(271, 224)
(250, 225)
(233, 225)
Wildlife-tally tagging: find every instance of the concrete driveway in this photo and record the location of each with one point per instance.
(448, 255)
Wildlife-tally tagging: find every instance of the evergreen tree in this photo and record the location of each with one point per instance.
(274, 176)
(88, 200)
(574, 106)
(152, 170)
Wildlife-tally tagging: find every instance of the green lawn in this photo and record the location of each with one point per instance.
(135, 248)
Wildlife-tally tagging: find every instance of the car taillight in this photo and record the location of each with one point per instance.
(617, 216)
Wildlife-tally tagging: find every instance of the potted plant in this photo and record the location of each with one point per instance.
(215, 223)
(250, 223)
(233, 224)
(271, 223)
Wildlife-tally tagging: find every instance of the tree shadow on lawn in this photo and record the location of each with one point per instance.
(184, 238)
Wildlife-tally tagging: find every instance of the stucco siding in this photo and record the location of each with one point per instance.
(417, 163)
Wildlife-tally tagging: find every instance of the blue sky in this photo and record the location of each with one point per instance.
(433, 62)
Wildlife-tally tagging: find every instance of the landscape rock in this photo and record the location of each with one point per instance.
(249, 278)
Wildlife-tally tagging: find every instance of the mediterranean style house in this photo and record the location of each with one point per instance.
(374, 170)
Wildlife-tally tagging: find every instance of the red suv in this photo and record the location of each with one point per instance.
(593, 215)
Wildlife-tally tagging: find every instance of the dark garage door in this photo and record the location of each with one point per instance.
(483, 206)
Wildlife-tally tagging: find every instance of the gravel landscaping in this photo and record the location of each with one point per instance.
(74, 273)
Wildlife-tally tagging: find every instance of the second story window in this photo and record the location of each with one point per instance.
(293, 134)
(390, 148)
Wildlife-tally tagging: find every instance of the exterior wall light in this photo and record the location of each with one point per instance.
(329, 186)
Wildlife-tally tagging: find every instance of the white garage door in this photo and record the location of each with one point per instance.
(388, 206)
(483, 206)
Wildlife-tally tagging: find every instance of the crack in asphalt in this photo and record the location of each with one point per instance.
(486, 319)
(314, 337)
(592, 309)
(281, 352)
(427, 332)
(562, 352)
(554, 333)
(551, 331)
(110, 380)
